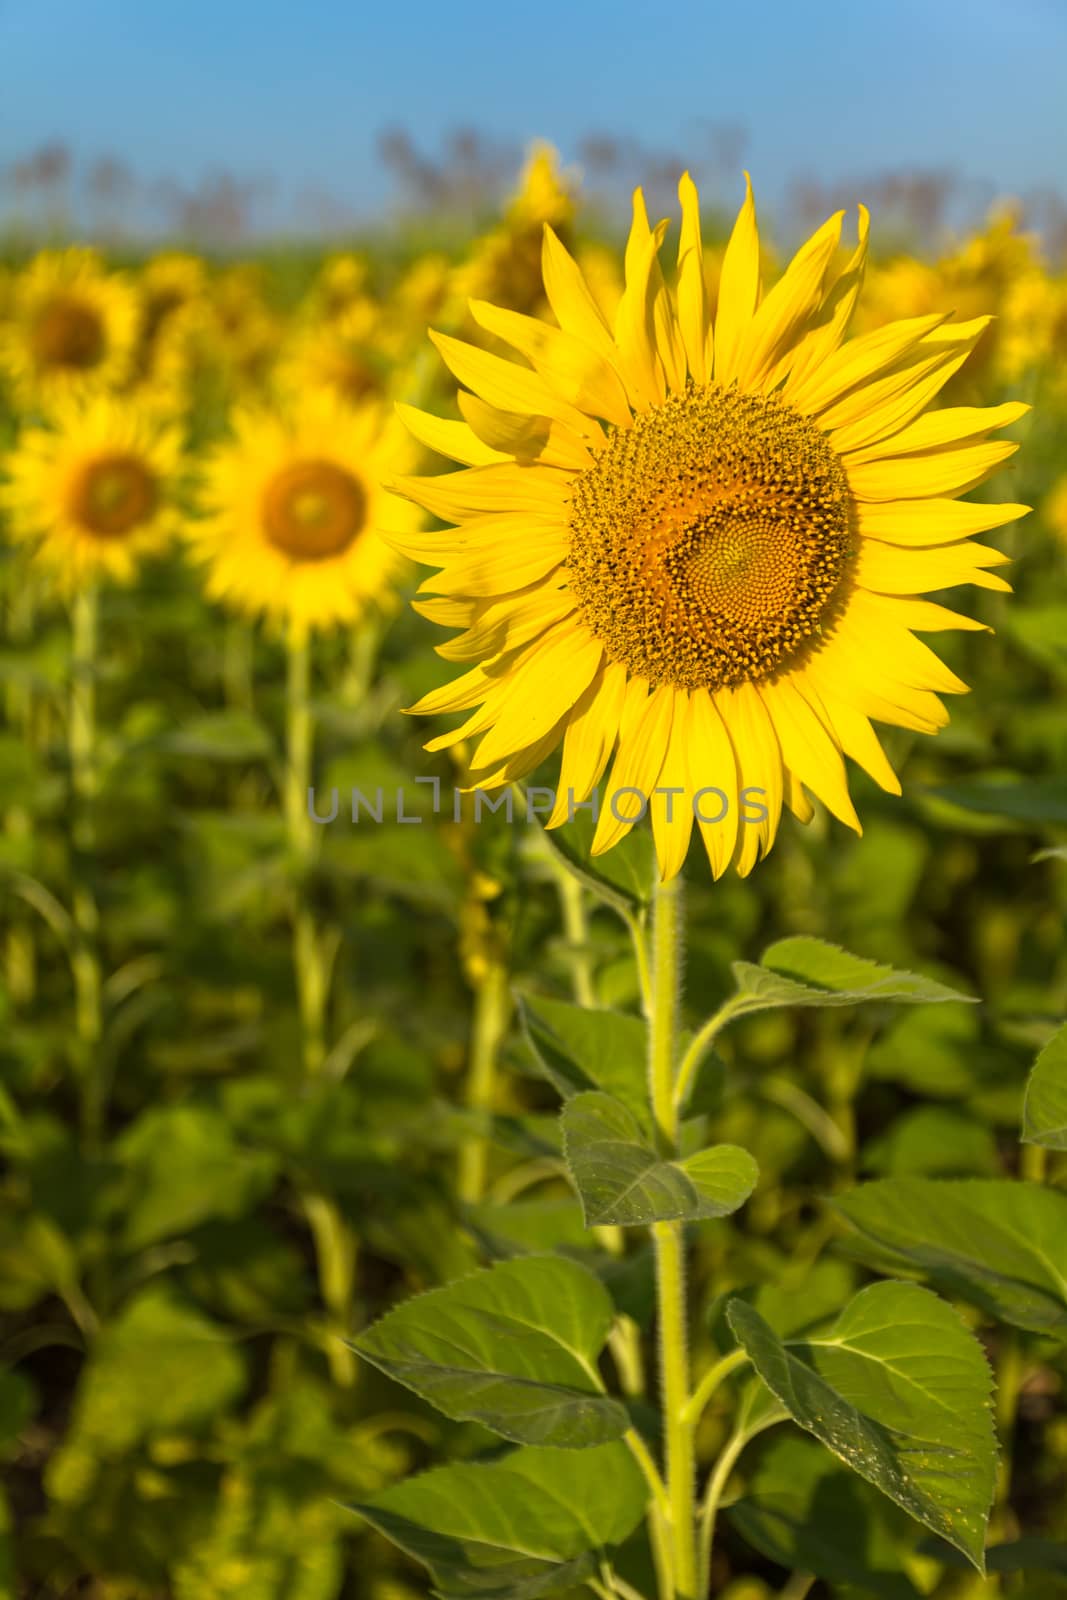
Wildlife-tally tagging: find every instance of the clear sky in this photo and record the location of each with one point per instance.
(299, 89)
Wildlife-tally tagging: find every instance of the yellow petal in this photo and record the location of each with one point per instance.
(830, 323)
(592, 730)
(808, 750)
(795, 798)
(503, 383)
(952, 470)
(759, 761)
(505, 487)
(788, 306)
(548, 686)
(509, 623)
(571, 299)
(694, 322)
(454, 439)
(925, 522)
(529, 438)
(856, 362)
(639, 362)
(577, 372)
(947, 426)
(855, 735)
(739, 289)
(887, 569)
(642, 747)
(712, 765)
(672, 811)
(503, 568)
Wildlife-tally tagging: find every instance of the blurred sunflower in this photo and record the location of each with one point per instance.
(698, 540)
(339, 284)
(95, 489)
(169, 284)
(338, 356)
(73, 326)
(506, 264)
(293, 503)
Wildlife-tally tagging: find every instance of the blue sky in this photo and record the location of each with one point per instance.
(299, 91)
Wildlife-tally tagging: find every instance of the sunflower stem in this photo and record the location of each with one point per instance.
(492, 1006)
(669, 1240)
(335, 1244)
(85, 958)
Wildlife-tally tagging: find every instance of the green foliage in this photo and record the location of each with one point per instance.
(900, 1391)
(528, 1524)
(622, 1180)
(1000, 1245)
(514, 1347)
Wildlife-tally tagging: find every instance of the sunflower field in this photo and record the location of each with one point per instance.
(533, 885)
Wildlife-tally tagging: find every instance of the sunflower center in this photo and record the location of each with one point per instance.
(68, 333)
(113, 495)
(709, 539)
(313, 509)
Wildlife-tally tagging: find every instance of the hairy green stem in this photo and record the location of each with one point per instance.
(669, 1241)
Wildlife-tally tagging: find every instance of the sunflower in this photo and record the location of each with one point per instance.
(95, 488)
(293, 503)
(73, 327)
(339, 356)
(698, 541)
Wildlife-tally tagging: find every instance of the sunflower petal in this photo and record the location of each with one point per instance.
(713, 766)
(739, 289)
(571, 367)
(694, 322)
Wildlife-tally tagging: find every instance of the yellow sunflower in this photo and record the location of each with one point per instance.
(95, 488)
(697, 540)
(73, 327)
(293, 505)
(339, 356)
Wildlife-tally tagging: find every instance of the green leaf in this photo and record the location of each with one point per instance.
(803, 1511)
(184, 1166)
(622, 1180)
(809, 972)
(159, 1367)
(525, 1525)
(1029, 800)
(580, 1049)
(622, 879)
(934, 1141)
(900, 1391)
(1001, 1245)
(513, 1347)
(1045, 1106)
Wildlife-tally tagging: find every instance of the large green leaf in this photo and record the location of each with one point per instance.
(900, 1390)
(580, 1050)
(1045, 1106)
(802, 1510)
(513, 1347)
(1000, 1244)
(622, 1180)
(525, 1525)
(809, 972)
